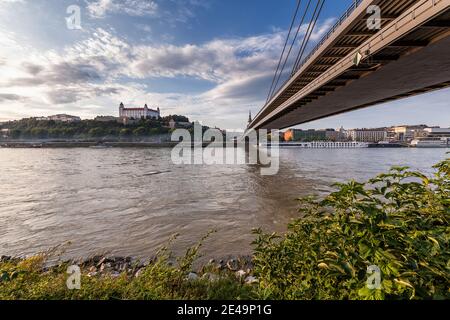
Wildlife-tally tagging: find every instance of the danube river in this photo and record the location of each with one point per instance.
(129, 202)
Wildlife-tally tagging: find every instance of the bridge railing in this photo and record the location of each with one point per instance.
(355, 4)
(341, 20)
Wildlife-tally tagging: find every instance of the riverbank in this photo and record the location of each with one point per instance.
(103, 277)
(89, 144)
(85, 144)
(112, 266)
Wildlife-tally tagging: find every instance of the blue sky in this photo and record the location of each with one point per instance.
(212, 60)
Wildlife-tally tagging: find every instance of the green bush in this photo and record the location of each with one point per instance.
(125, 132)
(397, 221)
(96, 132)
(140, 131)
(39, 133)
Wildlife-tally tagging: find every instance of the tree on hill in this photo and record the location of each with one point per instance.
(140, 131)
(125, 132)
(40, 133)
(176, 118)
(97, 132)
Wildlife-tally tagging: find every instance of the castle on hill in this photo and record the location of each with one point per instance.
(139, 113)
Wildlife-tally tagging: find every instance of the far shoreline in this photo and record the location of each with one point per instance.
(83, 144)
(88, 144)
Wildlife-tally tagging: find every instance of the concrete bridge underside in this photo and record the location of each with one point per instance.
(425, 70)
(410, 55)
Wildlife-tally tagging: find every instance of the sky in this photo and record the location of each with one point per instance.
(212, 60)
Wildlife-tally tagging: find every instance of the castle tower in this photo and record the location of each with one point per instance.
(146, 114)
(121, 110)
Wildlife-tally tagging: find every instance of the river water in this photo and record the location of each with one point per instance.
(129, 202)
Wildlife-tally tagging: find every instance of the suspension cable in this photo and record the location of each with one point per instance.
(284, 48)
(308, 35)
(290, 49)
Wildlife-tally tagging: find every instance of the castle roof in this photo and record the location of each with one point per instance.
(139, 109)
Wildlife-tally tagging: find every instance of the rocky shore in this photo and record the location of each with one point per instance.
(107, 266)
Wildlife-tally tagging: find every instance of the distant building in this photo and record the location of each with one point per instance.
(342, 135)
(289, 135)
(437, 132)
(4, 133)
(368, 135)
(63, 118)
(421, 134)
(432, 138)
(310, 135)
(332, 135)
(139, 113)
(405, 133)
(106, 119)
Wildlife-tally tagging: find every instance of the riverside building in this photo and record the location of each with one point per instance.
(368, 135)
(60, 118)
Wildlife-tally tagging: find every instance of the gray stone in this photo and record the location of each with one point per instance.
(138, 273)
(251, 280)
(240, 274)
(5, 258)
(192, 276)
(232, 265)
(101, 262)
(210, 277)
(220, 266)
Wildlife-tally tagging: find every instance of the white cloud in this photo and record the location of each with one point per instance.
(11, 1)
(216, 61)
(90, 71)
(99, 8)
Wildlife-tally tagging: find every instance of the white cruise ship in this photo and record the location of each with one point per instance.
(324, 145)
(430, 143)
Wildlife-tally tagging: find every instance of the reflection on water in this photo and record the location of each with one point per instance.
(130, 201)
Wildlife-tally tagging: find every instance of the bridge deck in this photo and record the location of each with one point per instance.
(327, 83)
